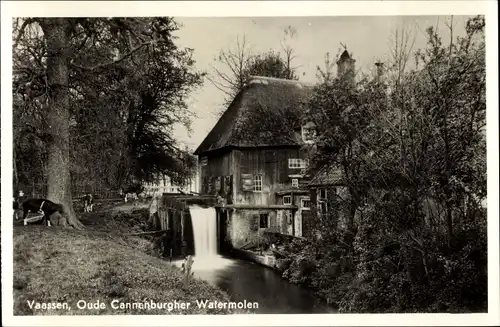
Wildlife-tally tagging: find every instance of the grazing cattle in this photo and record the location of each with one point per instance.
(131, 192)
(131, 196)
(88, 203)
(41, 206)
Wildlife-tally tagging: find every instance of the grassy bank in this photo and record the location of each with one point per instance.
(98, 264)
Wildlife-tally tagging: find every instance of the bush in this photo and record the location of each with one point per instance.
(382, 272)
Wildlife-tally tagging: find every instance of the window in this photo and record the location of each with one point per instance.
(308, 132)
(264, 220)
(322, 206)
(257, 183)
(298, 163)
(322, 194)
(204, 161)
(305, 203)
(295, 182)
(287, 199)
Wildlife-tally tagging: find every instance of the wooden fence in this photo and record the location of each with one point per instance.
(39, 190)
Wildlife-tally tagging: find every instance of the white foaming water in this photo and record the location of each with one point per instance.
(204, 223)
(205, 231)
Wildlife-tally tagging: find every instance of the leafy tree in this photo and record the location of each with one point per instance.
(126, 81)
(411, 147)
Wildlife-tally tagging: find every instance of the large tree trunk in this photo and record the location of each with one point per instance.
(56, 32)
(16, 177)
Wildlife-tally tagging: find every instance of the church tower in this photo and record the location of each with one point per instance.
(346, 67)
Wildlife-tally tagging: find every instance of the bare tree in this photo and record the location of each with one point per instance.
(231, 77)
(326, 74)
(289, 34)
(401, 50)
(237, 63)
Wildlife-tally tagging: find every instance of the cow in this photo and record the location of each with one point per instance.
(41, 206)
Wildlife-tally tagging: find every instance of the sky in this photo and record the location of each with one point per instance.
(366, 37)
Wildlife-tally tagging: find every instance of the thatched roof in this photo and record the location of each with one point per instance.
(266, 112)
(327, 176)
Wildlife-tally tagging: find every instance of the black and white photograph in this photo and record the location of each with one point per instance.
(319, 165)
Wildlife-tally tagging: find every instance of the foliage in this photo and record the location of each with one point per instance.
(128, 82)
(412, 152)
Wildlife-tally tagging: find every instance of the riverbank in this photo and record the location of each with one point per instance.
(56, 268)
(292, 270)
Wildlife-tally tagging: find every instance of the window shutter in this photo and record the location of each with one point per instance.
(218, 185)
(227, 185)
(211, 185)
(247, 182)
(254, 223)
(204, 185)
(204, 161)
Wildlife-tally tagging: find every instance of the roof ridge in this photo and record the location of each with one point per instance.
(255, 78)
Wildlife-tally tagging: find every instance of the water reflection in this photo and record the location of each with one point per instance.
(248, 281)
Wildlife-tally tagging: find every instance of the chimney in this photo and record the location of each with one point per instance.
(380, 70)
(345, 67)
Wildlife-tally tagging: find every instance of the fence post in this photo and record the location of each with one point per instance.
(182, 226)
(186, 269)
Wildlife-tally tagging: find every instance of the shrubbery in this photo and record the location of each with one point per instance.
(409, 234)
(364, 278)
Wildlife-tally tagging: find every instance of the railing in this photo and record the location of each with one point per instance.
(39, 190)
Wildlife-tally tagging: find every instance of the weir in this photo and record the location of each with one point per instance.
(197, 222)
(204, 222)
(171, 214)
(204, 230)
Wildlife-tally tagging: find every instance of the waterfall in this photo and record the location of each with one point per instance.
(206, 258)
(205, 231)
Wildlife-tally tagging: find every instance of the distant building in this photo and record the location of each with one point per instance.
(325, 187)
(165, 185)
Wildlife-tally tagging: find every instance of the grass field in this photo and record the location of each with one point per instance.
(55, 265)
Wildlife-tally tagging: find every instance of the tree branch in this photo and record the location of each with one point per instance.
(27, 22)
(127, 55)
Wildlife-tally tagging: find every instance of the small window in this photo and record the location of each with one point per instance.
(322, 206)
(257, 183)
(295, 182)
(287, 199)
(204, 161)
(298, 163)
(322, 194)
(264, 220)
(305, 203)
